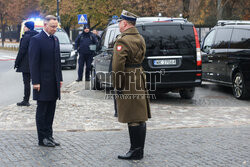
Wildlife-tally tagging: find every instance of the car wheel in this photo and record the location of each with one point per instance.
(239, 89)
(187, 93)
(95, 84)
(73, 67)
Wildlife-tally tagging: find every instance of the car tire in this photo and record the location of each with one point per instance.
(187, 93)
(239, 88)
(95, 83)
(73, 67)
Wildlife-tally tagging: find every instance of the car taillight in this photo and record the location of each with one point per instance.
(198, 48)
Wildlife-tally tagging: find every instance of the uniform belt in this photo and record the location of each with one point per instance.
(132, 65)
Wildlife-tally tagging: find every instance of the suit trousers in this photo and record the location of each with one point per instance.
(44, 118)
(26, 82)
(81, 61)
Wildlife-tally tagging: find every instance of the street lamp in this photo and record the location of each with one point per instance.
(58, 16)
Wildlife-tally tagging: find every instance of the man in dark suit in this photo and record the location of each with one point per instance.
(22, 60)
(46, 75)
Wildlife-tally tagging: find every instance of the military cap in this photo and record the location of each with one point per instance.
(86, 26)
(126, 15)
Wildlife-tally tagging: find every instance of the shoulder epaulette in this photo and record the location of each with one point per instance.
(119, 36)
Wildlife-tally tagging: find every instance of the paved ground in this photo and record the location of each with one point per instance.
(174, 147)
(91, 136)
(87, 110)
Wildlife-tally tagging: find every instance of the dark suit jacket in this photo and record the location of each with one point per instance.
(45, 66)
(22, 59)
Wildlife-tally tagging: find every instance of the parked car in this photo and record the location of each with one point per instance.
(226, 56)
(172, 61)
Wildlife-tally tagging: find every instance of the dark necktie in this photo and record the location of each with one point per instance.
(51, 37)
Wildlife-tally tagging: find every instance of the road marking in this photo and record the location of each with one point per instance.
(7, 58)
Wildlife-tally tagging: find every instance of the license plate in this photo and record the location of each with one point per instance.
(62, 61)
(165, 62)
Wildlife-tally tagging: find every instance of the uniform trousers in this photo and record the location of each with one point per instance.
(44, 118)
(84, 59)
(26, 82)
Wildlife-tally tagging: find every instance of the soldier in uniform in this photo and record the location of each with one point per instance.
(129, 82)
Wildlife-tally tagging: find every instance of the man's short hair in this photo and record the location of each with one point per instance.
(131, 22)
(49, 17)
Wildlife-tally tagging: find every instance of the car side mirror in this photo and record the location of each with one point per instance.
(206, 48)
(92, 47)
(104, 48)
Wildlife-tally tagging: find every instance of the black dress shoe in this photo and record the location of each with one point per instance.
(23, 103)
(135, 154)
(46, 143)
(78, 80)
(53, 140)
(87, 79)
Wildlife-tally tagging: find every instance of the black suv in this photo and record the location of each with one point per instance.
(172, 61)
(68, 54)
(226, 56)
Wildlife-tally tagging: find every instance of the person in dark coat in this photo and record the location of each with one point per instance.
(82, 45)
(22, 60)
(46, 75)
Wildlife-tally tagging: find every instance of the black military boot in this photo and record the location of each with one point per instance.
(23, 103)
(137, 136)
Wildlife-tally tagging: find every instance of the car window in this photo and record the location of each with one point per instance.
(222, 38)
(62, 37)
(240, 39)
(110, 32)
(209, 40)
(103, 38)
(117, 32)
(111, 37)
(168, 40)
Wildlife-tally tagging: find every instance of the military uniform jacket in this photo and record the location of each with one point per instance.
(128, 77)
(45, 66)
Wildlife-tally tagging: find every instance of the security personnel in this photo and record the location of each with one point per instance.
(82, 45)
(46, 75)
(129, 82)
(22, 60)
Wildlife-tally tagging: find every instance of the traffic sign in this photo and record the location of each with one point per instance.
(82, 19)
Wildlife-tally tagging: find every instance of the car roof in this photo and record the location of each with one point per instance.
(245, 24)
(157, 21)
(234, 26)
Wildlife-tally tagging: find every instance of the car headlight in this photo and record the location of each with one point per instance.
(73, 53)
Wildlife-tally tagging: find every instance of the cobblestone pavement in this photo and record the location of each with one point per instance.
(173, 147)
(85, 110)
(178, 135)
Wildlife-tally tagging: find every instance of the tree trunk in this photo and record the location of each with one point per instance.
(219, 10)
(185, 12)
(3, 30)
(220, 7)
